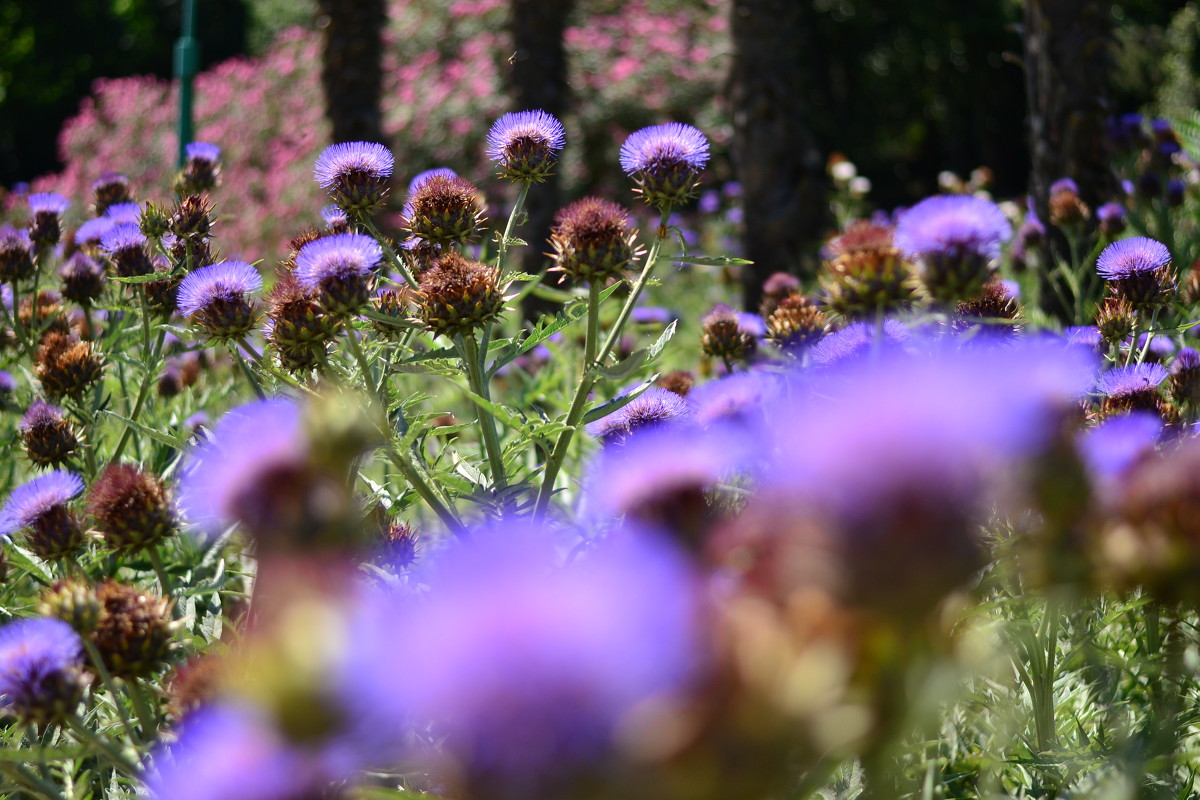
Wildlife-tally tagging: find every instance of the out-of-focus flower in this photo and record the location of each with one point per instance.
(652, 408)
(16, 255)
(109, 189)
(47, 435)
(40, 506)
(47, 209)
(82, 278)
(1112, 219)
(1116, 444)
(525, 145)
(1131, 388)
(125, 245)
(41, 670)
(201, 168)
(131, 508)
(857, 340)
(665, 161)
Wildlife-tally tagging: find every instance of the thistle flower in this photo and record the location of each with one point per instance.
(47, 435)
(124, 213)
(652, 408)
(125, 245)
(215, 298)
(1066, 207)
(201, 168)
(953, 239)
(528, 670)
(775, 289)
(41, 670)
(131, 508)
(444, 209)
(1131, 388)
(857, 340)
(1138, 269)
(47, 209)
(66, 366)
(298, 327)
(457, 295)
(1185, 378)
(421, 177)
(336, 220)
(231, 752)
(796, 323)
(525, 145)
(356, 175)
(867, 274)
(993, 314)
(665, 161)
(339, 268)
(1112, 219)
(722, 335)
(135, 635)
(82, 279)
(91, 233)
(594, 241)
(16, 255)
(40, 505)
(734, 401)
(108, 190)
(191, 218)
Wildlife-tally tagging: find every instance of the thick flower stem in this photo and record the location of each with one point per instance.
(86, 736)
(151, 372)
(579, 402)
(424, 491)
(487, 422)
(502, 256)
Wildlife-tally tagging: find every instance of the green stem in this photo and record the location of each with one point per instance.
(147, 378)
(487, 422)
(579, 403)
(147, 718)
(397, 262)
(86, 736)
(364, 366)
(32, 783)
(423, 489)
(253, 380)
(107, 680)
(502, 257)
(160, 571)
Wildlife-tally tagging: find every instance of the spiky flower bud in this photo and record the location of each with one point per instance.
(192, 217)
(215, 298)
(298, 327)
(680, 382)
(399, 546)
(154, 221)
(66, 366)
(73, 601)
(525, 145)
(131, 508)
(201, 169)
(797, 323)
(665, 161)
(722, 335)
(444, 209)
(356, 175)
(82, 279)
(868, 274)
(47, 435)
(135, 636)
(47, 209)
(393, 302)
(594, 241)
(994, 313)
(458, 295)
(110, 189)
(778, 286)
(43, 313)
(1115, 319)
(16, 255)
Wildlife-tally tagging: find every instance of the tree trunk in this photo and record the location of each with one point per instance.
(776, 157)
(538, 80)
(352, 68)
(1068, 55)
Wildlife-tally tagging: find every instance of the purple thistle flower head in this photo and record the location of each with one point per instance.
(224, 476)
(16, 254)
(1131, 379)
(1186, 359)
(665, 161)
(527, 668)
(1112, 218)
(652, 408)
(653, 315)
(336, 219)
(48, 203)
(41, 413)
(525, 145)
(1137, 255)
(356, 174)
(421, 177)
(1064, 185)
(954, 239)
(216, 296)
(857, 340)
(339, 268)
(231, 752)
(126, 246)
(733, 400)
(82, 277)
(124, 213)
(92, 232)
(1109, 449)
(202, 151)
(37, 497)
(8, 384)
(111, 187)
(41, 669)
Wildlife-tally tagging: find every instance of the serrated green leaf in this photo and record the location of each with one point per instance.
(617, 403)
(625, 367)
(157, 436)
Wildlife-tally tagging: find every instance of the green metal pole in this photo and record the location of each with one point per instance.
(187, 63)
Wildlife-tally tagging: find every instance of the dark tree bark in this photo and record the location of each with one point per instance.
(1068, 55)
(352, 68)
(775, 156)
(538, 80)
